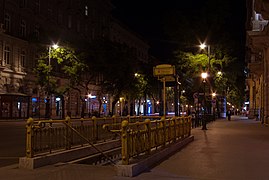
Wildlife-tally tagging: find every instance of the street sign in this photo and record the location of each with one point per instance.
(164, 70)
(168, 79)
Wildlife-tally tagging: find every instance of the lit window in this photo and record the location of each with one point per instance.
(86, 10)
(7, 55)
(7, 23)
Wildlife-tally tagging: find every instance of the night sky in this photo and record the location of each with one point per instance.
(208, 19)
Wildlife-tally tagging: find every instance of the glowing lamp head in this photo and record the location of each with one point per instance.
(55, 46)
(202, 46)
(204, 75)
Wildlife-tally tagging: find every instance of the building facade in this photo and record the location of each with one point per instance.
(257, 58)
(26, 26)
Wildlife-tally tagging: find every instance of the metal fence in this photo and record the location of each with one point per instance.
(142, 138)
(48, 136)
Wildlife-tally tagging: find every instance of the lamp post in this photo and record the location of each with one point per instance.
(204, 76)
(203, 46)
(214, 105)
(48, 109)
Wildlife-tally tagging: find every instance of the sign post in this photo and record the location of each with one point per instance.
(164, 72)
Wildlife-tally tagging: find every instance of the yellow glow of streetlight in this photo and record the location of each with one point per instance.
(219, 73)
(202, 46)
(55, 46)
(204, 75)
(214, 94)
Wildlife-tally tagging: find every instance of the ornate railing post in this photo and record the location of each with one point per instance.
(114, 119)
(148, 130)
(163, 125)
(29, 138)
(124, 142)
(95, 129)
(190, 125)
(68, 133)
(181, 122)
(174, 129)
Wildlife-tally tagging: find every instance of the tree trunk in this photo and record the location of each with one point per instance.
(113, 107)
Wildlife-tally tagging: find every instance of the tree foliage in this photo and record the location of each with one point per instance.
(222, 31)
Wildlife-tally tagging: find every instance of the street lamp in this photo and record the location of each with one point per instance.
(204, 76)
(54, 46)
(203, 46)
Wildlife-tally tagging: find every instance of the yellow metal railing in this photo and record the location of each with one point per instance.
(46, 136)
(142, 138)
(52, 135)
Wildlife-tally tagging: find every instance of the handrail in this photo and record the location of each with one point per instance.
(80, 135)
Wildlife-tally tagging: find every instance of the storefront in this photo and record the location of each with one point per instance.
(14, 106)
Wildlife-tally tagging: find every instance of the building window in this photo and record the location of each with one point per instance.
(23, 28)
(69, 22)
(93, 34)
(22, 59)
(86, 10)
(78, 26)
(7, 23)
(22, 3)
(86, 28)
(60, 17)
(37, 6)
(36, 32)
(6, 55)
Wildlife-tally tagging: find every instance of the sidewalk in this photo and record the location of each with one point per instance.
(228, 150)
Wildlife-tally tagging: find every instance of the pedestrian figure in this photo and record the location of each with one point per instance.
(229, 115)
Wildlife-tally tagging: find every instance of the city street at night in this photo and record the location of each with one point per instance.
(134, 89)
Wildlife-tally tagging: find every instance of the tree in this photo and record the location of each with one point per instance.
(215, 22)
(117, 63)
(65, 63)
